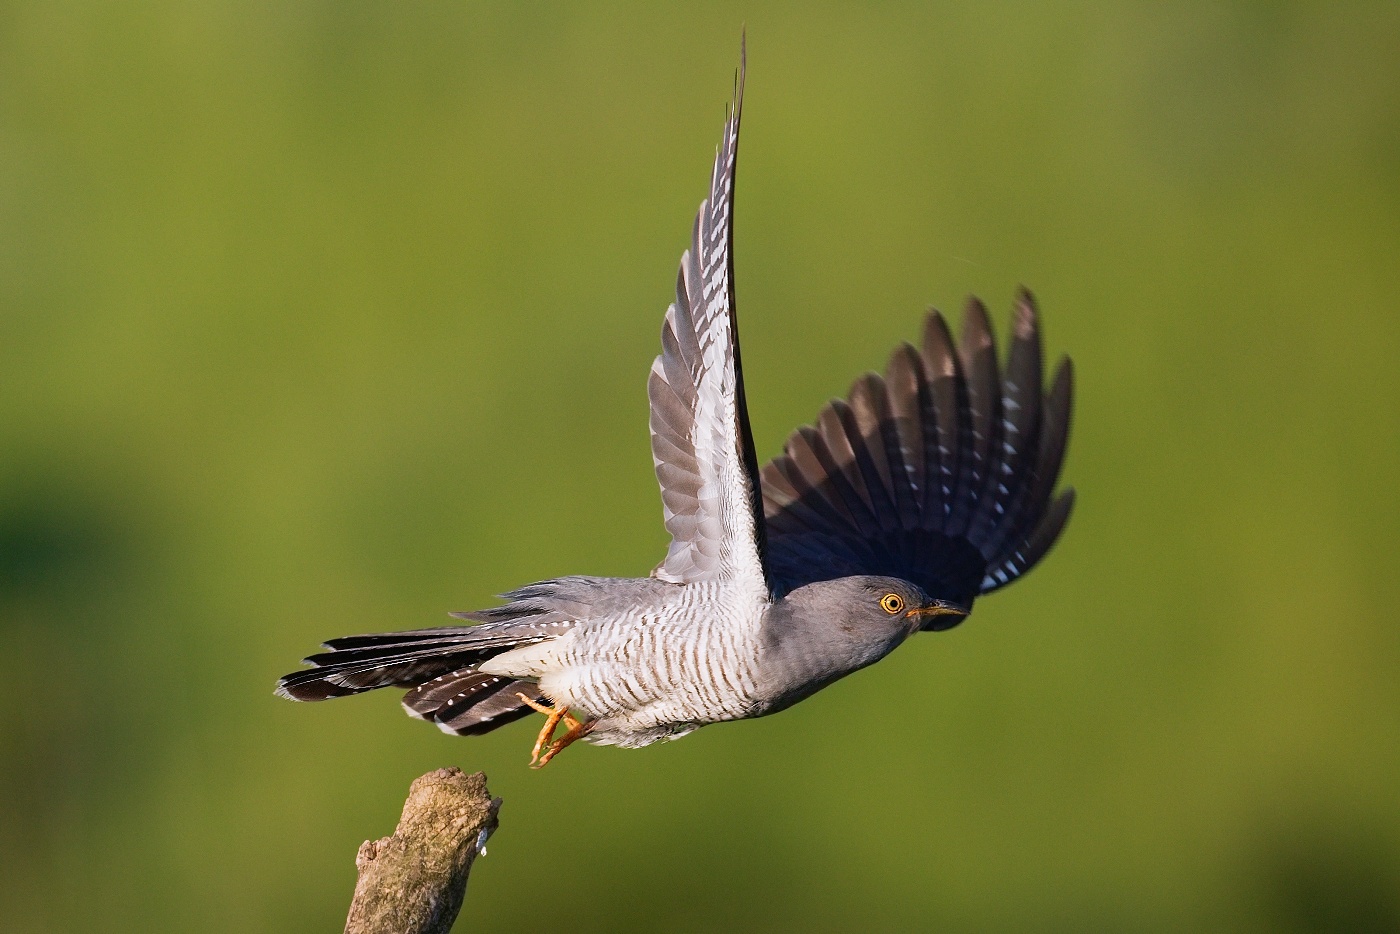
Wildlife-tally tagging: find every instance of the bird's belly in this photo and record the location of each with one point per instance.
(659, 681)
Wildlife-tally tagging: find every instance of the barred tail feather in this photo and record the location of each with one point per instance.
(341, 679)
(467, 702)
(440, 665)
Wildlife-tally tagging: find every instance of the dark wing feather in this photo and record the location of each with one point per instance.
(977, 350)
(1036, 521)
(941, 472)
(700, 439)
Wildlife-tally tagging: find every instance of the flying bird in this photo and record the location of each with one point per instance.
(888, 516)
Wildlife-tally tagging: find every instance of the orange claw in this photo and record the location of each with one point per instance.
(553, 716)
(577, 731)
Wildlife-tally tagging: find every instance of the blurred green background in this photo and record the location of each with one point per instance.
(330, 317)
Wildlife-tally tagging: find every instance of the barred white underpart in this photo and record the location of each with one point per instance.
(682, 657)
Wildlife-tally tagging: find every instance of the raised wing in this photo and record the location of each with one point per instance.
(941, 473)
(700, 438)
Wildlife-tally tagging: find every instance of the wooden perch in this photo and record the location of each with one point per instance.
(413, 882)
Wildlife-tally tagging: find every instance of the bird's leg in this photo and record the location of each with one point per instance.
(553, 715)
(577, 731)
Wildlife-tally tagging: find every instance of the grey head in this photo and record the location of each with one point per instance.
(827, 629)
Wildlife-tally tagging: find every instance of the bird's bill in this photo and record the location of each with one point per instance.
(938, 614)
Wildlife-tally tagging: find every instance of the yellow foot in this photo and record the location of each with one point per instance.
(577, 731)
(553, 715)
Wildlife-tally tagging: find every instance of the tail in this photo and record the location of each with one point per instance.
(440, 665)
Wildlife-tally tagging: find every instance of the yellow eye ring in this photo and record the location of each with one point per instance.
(892, 603)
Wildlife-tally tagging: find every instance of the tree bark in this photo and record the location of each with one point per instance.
(413, 881)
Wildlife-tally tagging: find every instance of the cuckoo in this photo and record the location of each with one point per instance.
(903, 502)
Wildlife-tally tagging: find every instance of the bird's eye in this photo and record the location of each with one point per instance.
(892, 603)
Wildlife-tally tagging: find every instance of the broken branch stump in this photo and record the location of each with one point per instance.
(413, 882)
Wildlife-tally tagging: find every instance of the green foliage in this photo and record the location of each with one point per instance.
(326, 317)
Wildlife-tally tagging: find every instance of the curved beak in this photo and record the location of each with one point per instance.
(938, 615)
